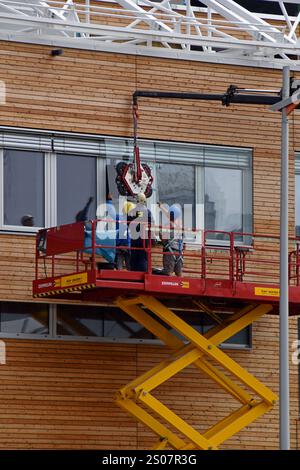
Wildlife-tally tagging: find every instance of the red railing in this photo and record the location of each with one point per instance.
(209, 254)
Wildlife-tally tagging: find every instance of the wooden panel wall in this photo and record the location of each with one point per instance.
(60, 394)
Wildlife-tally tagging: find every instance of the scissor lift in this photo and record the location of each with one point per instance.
(225, 271)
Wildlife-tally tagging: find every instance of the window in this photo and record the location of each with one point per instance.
(48, 177)
(176, 185)
(79, 321)
(24, 187)
(100, 322)
(90, 323)
(76, 182)
(119, 325)
(51, 176)
(242, 339)
(223, 209)
(24, 318)
(203, 323)
(215, 183)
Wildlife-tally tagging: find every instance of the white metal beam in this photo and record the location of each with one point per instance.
(224, 29)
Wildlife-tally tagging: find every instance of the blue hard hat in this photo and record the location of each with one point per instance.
(175, 211)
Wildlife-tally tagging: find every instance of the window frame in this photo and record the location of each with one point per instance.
(54, 189)
(247, 202)
(100, 148)
(50, 191)
(27, 335)
(20, 228)
(204, 160)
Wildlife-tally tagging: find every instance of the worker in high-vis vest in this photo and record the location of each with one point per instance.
(140, 221)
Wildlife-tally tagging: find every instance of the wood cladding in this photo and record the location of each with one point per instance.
(59, 394)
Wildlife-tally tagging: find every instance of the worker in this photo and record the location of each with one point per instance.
(82, 215)
(106, 215)
(27, 220)
(110, 213)
(123, 241)
(140, 220)
(172, 242)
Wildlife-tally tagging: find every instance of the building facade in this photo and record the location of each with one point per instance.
(66, 121)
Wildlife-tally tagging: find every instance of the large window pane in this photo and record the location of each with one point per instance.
(23, 188)
(224, 182)
(119, 325)
(242, 338)
(76, 183)
(228, 201)
(202, 323)
(24, 318)
(223, 199)
(175, 184)
(79, 321)
(103, 322)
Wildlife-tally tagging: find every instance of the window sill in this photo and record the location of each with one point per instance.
(92, 339)
(19, 231)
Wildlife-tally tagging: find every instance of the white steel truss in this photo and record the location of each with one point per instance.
(215, 30)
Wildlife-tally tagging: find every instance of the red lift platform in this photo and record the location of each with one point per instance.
(232, 273)
(217, 265)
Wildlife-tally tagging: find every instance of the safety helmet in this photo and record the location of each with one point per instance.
(141, 198)
(128, 206)
(27, 220)
(175, 211)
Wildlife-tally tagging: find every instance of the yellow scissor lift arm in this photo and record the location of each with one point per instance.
(199, 350)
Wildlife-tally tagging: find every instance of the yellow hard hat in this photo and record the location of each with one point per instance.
(128, 206)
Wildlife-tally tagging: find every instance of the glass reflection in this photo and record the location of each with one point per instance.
(76, 183)
(23, 188)
(17, 318)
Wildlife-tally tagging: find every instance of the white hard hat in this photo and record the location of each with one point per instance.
(141, 198)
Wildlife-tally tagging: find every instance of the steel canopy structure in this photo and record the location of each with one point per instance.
(222, 32)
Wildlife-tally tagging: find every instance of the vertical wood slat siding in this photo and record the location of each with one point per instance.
(60, 394)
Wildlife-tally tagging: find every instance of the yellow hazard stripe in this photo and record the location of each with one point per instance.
(62, 291)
